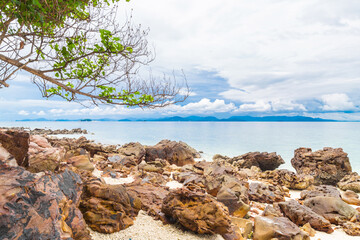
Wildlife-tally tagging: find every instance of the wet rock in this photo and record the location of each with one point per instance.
(178, 153)
(350, 182)
(197, 212)
(350, 197)
(266, 228)
(320, 191)
(265, 193)
(17, 144)
(327, 166)
(42, 156)
(300, 215)
(333, 209)
(287, 179)
(81, 162)
(265, 161)
(108, 208)
(40, 206)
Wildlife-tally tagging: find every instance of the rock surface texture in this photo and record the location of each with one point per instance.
(178, 153)
(327, 166)
(350, 182)
(108, 208)
(39, 206)
(265, 193)
(17, 144)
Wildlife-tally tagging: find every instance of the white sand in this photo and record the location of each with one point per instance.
(174, 184)
(146, 228)
(115, 181)
(338, 234)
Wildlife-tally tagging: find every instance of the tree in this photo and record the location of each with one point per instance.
(77, 50)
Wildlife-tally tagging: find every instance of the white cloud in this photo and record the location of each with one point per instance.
(337, 102)
(23, 112)
(259, 106)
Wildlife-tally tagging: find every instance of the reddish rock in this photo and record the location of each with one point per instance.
(327, 166)
(39, 206)
(178, 153)
(300, 215)
(108, 208)
(197, 212)
(17, 144)
(265, 193)
(128, 155)
(320, 191)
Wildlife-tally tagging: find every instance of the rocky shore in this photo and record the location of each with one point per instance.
(53, 188)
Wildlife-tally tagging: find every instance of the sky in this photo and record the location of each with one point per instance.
(257, 58)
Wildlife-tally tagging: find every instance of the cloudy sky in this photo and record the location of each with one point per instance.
(258, 57)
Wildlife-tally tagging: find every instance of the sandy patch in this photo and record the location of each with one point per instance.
(146, 228)
(174, 184)
(338, 234)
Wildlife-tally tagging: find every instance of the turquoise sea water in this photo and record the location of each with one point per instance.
(227, 138)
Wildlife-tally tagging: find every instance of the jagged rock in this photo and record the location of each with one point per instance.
(7, 158)
(197, 212)
(234, 196)
(350, 197)
(42, 156)
(40, 131)
(151, 197)
(81, 162)
(246, 226)
(17, 144)
(178, 153)
(300, 215)
(130, 154)
(265, 193)
(350, 182)
(320, 191)
(272, 211)
(265, 161)
(308, 229)
(266, 228)
(40, 206)
(352, 229)
(287, 179)
(327, 166)
(333, 209)
(108, 208)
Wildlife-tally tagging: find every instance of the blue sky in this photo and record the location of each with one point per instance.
(259, 57)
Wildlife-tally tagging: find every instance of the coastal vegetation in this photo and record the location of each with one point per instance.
(78, 50)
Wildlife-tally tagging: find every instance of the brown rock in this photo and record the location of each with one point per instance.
(350, 197)
(333, 209)
(82, 162)
(308, 229)
(320, 191)
(178, 153)
(350, 182)
(39, 206)
(277, 227)
(130, 154)
(42, 156)
(108, 208)
(197, 212)
(352, 229)
(327, 166)
(287, 179)
(151, 197)
(265, 161)
(17, 144)
(272, 211)
(300, 215)
(265, 193)
(246, 226)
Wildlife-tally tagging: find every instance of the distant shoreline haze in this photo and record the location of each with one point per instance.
(202, 119)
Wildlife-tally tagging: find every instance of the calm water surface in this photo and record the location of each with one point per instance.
(227, 138)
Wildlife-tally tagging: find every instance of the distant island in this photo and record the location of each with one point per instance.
(200, 119)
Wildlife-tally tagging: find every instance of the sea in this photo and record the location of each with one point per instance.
(226, 138)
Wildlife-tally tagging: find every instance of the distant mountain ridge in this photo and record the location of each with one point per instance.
(203, 119)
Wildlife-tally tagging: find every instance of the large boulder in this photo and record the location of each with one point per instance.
(350, 182)
(42, 156)
(40, 206)
(265, 161)
(178, 153)
(266, 228)
(265, 193)
(327, 166)
(130, 154)
(108, 208)
(300, 215)
(197, 212)
(287, 179)
(17, 144)
(320, 191)
(333, 209)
